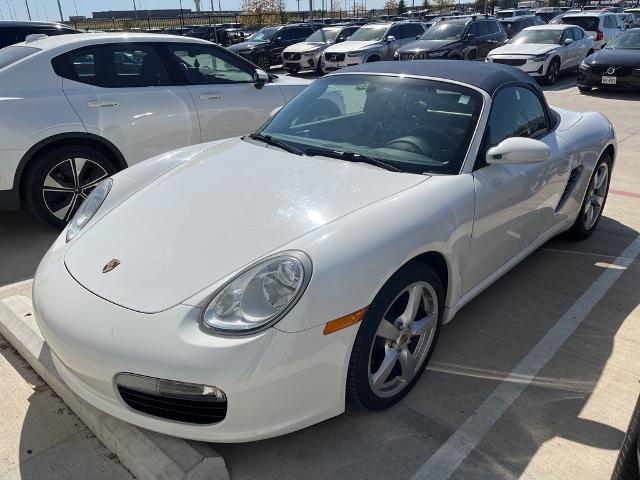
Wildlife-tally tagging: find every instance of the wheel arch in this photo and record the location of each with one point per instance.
(440, 265)
(611, 151)
(77, 138)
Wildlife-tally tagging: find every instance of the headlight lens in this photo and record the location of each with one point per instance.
(585, 66)
(259, 296)
(539, 58)
(88, 208)
(396, 54)
(355, 54)
(438, 53)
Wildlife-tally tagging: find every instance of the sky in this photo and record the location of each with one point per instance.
(48, 9)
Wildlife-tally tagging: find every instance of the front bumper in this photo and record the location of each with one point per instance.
(625, 77)
(274, 382)
(535, 69)
(337, 61)
(301, 62)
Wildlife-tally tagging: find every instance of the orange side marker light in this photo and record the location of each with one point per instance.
(344, 322)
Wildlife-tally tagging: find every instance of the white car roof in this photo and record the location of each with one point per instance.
(553, 26)
(78, 40)
(588, 13)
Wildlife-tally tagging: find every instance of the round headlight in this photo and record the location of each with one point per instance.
(259, 296)
(88, 208)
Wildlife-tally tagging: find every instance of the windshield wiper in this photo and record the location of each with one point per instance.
(351, 157)
(269, 140)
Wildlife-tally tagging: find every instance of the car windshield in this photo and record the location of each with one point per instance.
(369, 33)
(444, 31)
(264, 35)
(550, 37)
(417, 126)
(628, 40)
(9, 55)
(324, 35)
(590, 24)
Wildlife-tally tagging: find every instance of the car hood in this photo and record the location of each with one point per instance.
(215, 214)
(304, 47)
(350, 46)
(245, 46)
(426, 45)
(523, 49)
(617, 57)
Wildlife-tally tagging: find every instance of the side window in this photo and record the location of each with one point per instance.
(394, 32)
(345, 33)
(474, 28)
(113, 66)
(566, 34)
(577, 34)
(204, 65)
(417, 29)
(516, 112)
(284, 34)
(484, 28)
(495, 27)
(306, 33)
(406, 31)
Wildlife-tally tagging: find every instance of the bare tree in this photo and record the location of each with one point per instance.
(260, 12)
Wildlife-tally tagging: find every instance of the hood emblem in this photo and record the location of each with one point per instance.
(611, 70)
(111, 264)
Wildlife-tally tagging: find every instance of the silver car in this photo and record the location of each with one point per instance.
(371, 43)
(306, 55)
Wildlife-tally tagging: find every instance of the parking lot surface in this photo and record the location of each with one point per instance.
(534, 379)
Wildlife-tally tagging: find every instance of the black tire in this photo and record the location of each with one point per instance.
(582, 229)
(293, 71)
(359, 389)
(263, 62)
(584, 89)
(627, 467)
(472, 55)
(372, 58)
(63, 176)
(553, 70)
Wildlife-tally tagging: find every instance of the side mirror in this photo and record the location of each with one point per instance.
(391, 38)
(518, 150)
(568, 41)
(470, 37)
(260, 78)
(277, 39)
(418, 37)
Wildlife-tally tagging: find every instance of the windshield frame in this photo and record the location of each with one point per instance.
(525, 32)
(382, 27)
(476, 139)
(440, 26)
(275, 32)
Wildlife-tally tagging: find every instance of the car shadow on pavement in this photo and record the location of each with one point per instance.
(627, 95)
(23, 242)
(476, 351)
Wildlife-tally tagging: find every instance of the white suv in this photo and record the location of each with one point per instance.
(602, 26)
(77, 108)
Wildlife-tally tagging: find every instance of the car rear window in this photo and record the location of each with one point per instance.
(590, 24)
(9, 55)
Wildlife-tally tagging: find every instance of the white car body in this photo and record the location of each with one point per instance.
(39, 108)
(307, 55)
(608, 25)
(354, 52)
(184, 223)
(527, 56)
(513, 12)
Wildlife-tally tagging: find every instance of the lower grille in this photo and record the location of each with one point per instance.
(335, 57)
(611, 70)
(413, 56)
(171, 404)
(510, 61)
(292, 56)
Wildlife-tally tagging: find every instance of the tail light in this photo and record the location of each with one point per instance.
(599, 35)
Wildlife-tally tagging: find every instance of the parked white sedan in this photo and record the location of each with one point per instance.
(242, 289)
(544, 51)
(77, 108)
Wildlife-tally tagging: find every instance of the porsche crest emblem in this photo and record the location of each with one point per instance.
(113, 263)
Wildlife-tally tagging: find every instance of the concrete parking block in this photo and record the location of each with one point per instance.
(148, 455)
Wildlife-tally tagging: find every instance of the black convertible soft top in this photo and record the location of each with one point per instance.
(483, 75)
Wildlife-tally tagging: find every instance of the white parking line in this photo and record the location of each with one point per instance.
(444, 462)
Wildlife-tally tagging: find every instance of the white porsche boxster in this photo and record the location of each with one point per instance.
(245, 288)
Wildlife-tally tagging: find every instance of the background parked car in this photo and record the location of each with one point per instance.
(602, 26)
(308, 54)
(212, 33)
(629, 20)
(264, 48)
(458, 38)
(514, 25)
(548, 13)
(12, 32)
(544, 51)
(371, 43)
(81, 107)
(513, 12)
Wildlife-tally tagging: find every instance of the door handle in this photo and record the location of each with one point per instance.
(103, 103)
(210, 96)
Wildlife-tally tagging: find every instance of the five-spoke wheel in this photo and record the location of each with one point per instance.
(594, 200)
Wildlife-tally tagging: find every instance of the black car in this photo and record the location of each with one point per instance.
(458, 38)
(264, 48)
(617, 65)
(514, 25)
(212, 33)
(16, 32)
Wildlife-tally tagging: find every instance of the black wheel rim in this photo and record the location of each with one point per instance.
(68, 184)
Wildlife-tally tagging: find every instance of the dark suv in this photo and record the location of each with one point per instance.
(461, 38)
(264, 48)
(213, 33)
(514, 25)
(16, 32)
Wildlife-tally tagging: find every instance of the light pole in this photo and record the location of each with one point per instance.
(28, 11)
(60, 10)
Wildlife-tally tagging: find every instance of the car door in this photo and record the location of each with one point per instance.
(515, 203)
(228, 100)
(580, 44)
(485, 43)
(124, 93)
(568, 54)
(390, 47)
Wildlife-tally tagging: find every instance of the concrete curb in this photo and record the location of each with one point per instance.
(147, 455)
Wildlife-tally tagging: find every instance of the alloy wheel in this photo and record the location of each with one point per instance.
(553, 72)
(596, 196)
(68, 184)
(403, 339)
